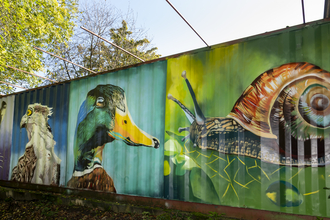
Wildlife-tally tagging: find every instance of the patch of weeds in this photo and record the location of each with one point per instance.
(8, 199)
(198, 214)
(164, 216)
(46, 211)
(109, 209)
(49, 198)
(59, 201)
(177, 214)
(214, 215)
(146, 215)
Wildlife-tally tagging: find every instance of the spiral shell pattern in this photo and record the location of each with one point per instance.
(309, 88)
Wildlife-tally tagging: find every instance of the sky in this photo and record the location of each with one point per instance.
(217, 21)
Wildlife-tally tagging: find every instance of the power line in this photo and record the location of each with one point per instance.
(32, 74)
(303, 10)
(13, 85)
(186, 22)
(112, 44)
(64, 59)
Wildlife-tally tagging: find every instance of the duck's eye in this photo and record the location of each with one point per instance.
(125, 122)
(100, 102)
(29, 112)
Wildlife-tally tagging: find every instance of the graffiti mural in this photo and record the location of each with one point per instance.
(279, 125)
(39, 164)
(115, 143)
(2, 116)
(3, 111)
(241, 124)
(38, 152)
(6, 125)
(103, 117)
(291, 101)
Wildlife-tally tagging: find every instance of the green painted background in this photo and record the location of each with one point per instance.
(218, 77)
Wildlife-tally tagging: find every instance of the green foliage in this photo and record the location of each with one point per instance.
(146, 215)
(165, 216)
(106, 57)
(91, 52)
(46, 211)
(8, 199)
(215, 215)
(28, 23)
(59, 201)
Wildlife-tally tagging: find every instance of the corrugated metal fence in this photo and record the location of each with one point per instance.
(245, 125)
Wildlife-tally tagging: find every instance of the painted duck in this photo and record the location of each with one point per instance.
(103, 117)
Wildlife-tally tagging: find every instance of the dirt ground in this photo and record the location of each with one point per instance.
(11, 209)
(43, 209)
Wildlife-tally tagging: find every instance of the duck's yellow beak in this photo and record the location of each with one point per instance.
(125, 129)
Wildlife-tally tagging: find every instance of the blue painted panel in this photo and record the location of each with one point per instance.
(6, 123)
(56, 98)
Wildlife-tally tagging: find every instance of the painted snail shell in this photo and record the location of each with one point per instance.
(291, 104)
(282, 118)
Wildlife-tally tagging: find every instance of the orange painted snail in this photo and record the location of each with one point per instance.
(283, 117)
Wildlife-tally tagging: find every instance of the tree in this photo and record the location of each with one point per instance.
(99, 17)
(95, 54)
(110, 57)
(27, 23)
